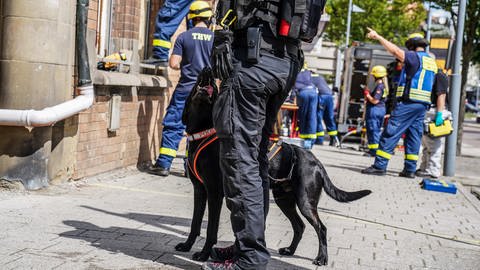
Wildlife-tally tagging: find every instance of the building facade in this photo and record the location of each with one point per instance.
(37, 70)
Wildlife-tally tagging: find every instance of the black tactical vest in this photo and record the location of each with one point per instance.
(296, 19)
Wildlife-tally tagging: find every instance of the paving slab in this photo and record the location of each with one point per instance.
(127, 219)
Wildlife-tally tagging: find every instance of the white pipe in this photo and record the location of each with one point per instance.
(50, 115)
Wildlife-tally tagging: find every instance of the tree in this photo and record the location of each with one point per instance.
(470, 49)
(394, 20)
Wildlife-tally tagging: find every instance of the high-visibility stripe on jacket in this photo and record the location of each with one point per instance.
(420, 86)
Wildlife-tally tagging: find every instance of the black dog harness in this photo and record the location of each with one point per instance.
(273, 151)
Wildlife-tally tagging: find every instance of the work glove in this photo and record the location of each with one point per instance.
(438, 119)
(222, 54)
(366, 92)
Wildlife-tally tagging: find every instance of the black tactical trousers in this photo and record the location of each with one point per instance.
(244, 115)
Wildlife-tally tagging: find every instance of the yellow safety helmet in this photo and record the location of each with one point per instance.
(416, 40)
(415, 35)
(379, 71)
(200, 9)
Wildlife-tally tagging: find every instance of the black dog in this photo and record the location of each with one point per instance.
(297, 178)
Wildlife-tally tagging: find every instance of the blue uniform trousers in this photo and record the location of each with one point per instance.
(307, 101)
(407, 117)
(374, 118)
(169, 17)
(173, 127)
(325, 113)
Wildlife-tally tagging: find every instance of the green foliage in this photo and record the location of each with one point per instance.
(394, 20)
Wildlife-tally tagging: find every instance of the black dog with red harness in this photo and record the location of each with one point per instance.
(297, 178)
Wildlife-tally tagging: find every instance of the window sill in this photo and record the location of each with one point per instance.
(125, 79)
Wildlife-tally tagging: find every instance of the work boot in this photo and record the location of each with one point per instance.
(157, 170)
(222, 254)
(226, 265)
(374, 171)
(406, 174)
(156, 61)
(424, 174)
(334, 141)
(368, 154)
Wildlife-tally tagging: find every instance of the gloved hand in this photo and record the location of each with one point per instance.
(222, 54)
(438, 119)
(366, 92)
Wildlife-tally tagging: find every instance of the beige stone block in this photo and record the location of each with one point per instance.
(42, 41)
(62, 11)
(27, 85)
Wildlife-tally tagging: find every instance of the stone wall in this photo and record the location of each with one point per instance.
(135, 143)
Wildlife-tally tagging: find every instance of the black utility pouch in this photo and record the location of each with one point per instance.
(254, 37)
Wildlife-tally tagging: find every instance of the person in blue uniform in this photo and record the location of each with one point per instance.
(307, 101)
(168, 18)
(375, 108)
(413, 99)
(325, 111)
(191, 54)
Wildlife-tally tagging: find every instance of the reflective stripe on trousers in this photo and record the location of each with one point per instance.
(325, 113)
(307, 100)
(407, 117)
(374, 119)
(173, 127)
(168, 18)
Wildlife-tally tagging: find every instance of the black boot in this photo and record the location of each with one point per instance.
(406, 174)
(156, 61)
(373, 171)
(226, 265)
(222, 254)
(334, 141)
(157, 170)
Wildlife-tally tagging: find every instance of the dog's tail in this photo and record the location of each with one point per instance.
(340, 195)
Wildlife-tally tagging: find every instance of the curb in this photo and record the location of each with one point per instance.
(469, 196)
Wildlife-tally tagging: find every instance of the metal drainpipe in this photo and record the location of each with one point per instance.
(51, 115)
(80, 40)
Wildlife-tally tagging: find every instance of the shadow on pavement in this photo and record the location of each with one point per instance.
(150, 245)
(359, 168)
(348, 167)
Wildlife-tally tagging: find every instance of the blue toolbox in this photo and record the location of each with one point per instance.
(438, 185)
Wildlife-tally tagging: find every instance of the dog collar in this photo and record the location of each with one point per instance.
(201, 134)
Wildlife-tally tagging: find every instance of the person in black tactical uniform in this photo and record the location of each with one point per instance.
(257, 56)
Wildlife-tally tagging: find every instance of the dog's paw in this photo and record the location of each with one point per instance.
(200, 256)
(286, 251)
(184, 247)
(320, 260)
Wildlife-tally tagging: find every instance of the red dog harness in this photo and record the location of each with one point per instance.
(208, 138)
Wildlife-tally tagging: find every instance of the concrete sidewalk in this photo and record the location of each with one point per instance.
(127, 219)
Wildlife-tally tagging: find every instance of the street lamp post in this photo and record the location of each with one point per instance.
(349, 19)
(429, 24)
(451, 142)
